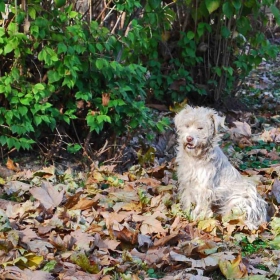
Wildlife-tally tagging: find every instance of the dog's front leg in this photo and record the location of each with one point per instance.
(203, 202)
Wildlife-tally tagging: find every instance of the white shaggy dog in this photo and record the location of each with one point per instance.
(206, 177)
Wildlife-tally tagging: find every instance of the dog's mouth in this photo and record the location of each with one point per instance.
(189, 146)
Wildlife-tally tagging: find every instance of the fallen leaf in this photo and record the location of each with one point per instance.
(266, 136)
(28, 234)
(209, 225)
(16, 187)
(83, 204)
(124, 233)
(234, 269)
(11, 165)
(47, 195)
(241, 129)
(275, 190)
(39, 247)
(180, 258)
(82, 239)
(13, 272)
(151, 225)
(125, 196)
(144, 240)
(72, 200)
(82, 260)
(71, 274)
(171, 239)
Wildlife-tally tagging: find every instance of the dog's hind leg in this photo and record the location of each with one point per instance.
(245, 199)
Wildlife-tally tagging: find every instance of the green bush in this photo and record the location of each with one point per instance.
(64, 69)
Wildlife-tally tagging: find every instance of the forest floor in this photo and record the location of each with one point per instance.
(64, 222)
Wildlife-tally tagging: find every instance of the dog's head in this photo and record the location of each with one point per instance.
(198, 128)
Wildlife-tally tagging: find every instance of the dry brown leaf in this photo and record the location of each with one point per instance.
(61, 244)
(157, 172)
(266, 136)
(72, 200)
(273, 155)
(39, 247)
(125, 196)
(82, 239)
(94, 228)
(28, 234)
(124, 233)
(47, 195)
(105, 99)
(106, 243)
(209, 225)
(12, 166)
(149, 181)
(84, 204)
(181, 258)
(276, 190)
(107, 168)
(70, 274)
(234, 269)
(152, 256)
(14, 272)
(151, 225)
(130, 206)
(169, 239)
(241, 129)
(16, 187)
(46, 172)
(112, 217)
(144, 240)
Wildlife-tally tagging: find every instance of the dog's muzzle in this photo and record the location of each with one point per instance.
(189, 144)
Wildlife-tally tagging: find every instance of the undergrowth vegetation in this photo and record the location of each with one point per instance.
(93, 72)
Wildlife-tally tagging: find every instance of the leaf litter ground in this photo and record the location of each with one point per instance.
(104, 225)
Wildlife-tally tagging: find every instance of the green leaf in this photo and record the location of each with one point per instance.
(101, 63)
(103, 118)
(38, 87)
(37, 120)
(53, 76)
(61, 48)
(237, 4)
(212, 5)
(190, 35)
(31, 12)
(225, 32)
(73, 148)
(25, 101)
(22, 110)
(154, 4)
(2, 6)
(8, 48)
(275, 11)
(73, 14)
(99, 47)
(49, 266)
(83, 95)
(227, 10)
(275, 243)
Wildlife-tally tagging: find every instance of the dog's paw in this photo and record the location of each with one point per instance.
(199, 214)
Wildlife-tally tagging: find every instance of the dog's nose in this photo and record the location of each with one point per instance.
(189, 139)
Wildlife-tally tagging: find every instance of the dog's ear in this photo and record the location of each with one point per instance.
(178, 120)
(218, 122)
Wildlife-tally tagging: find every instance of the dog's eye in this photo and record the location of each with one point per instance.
(187, 126)
(200, 128)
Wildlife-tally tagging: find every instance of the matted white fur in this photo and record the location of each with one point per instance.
(205, 175)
